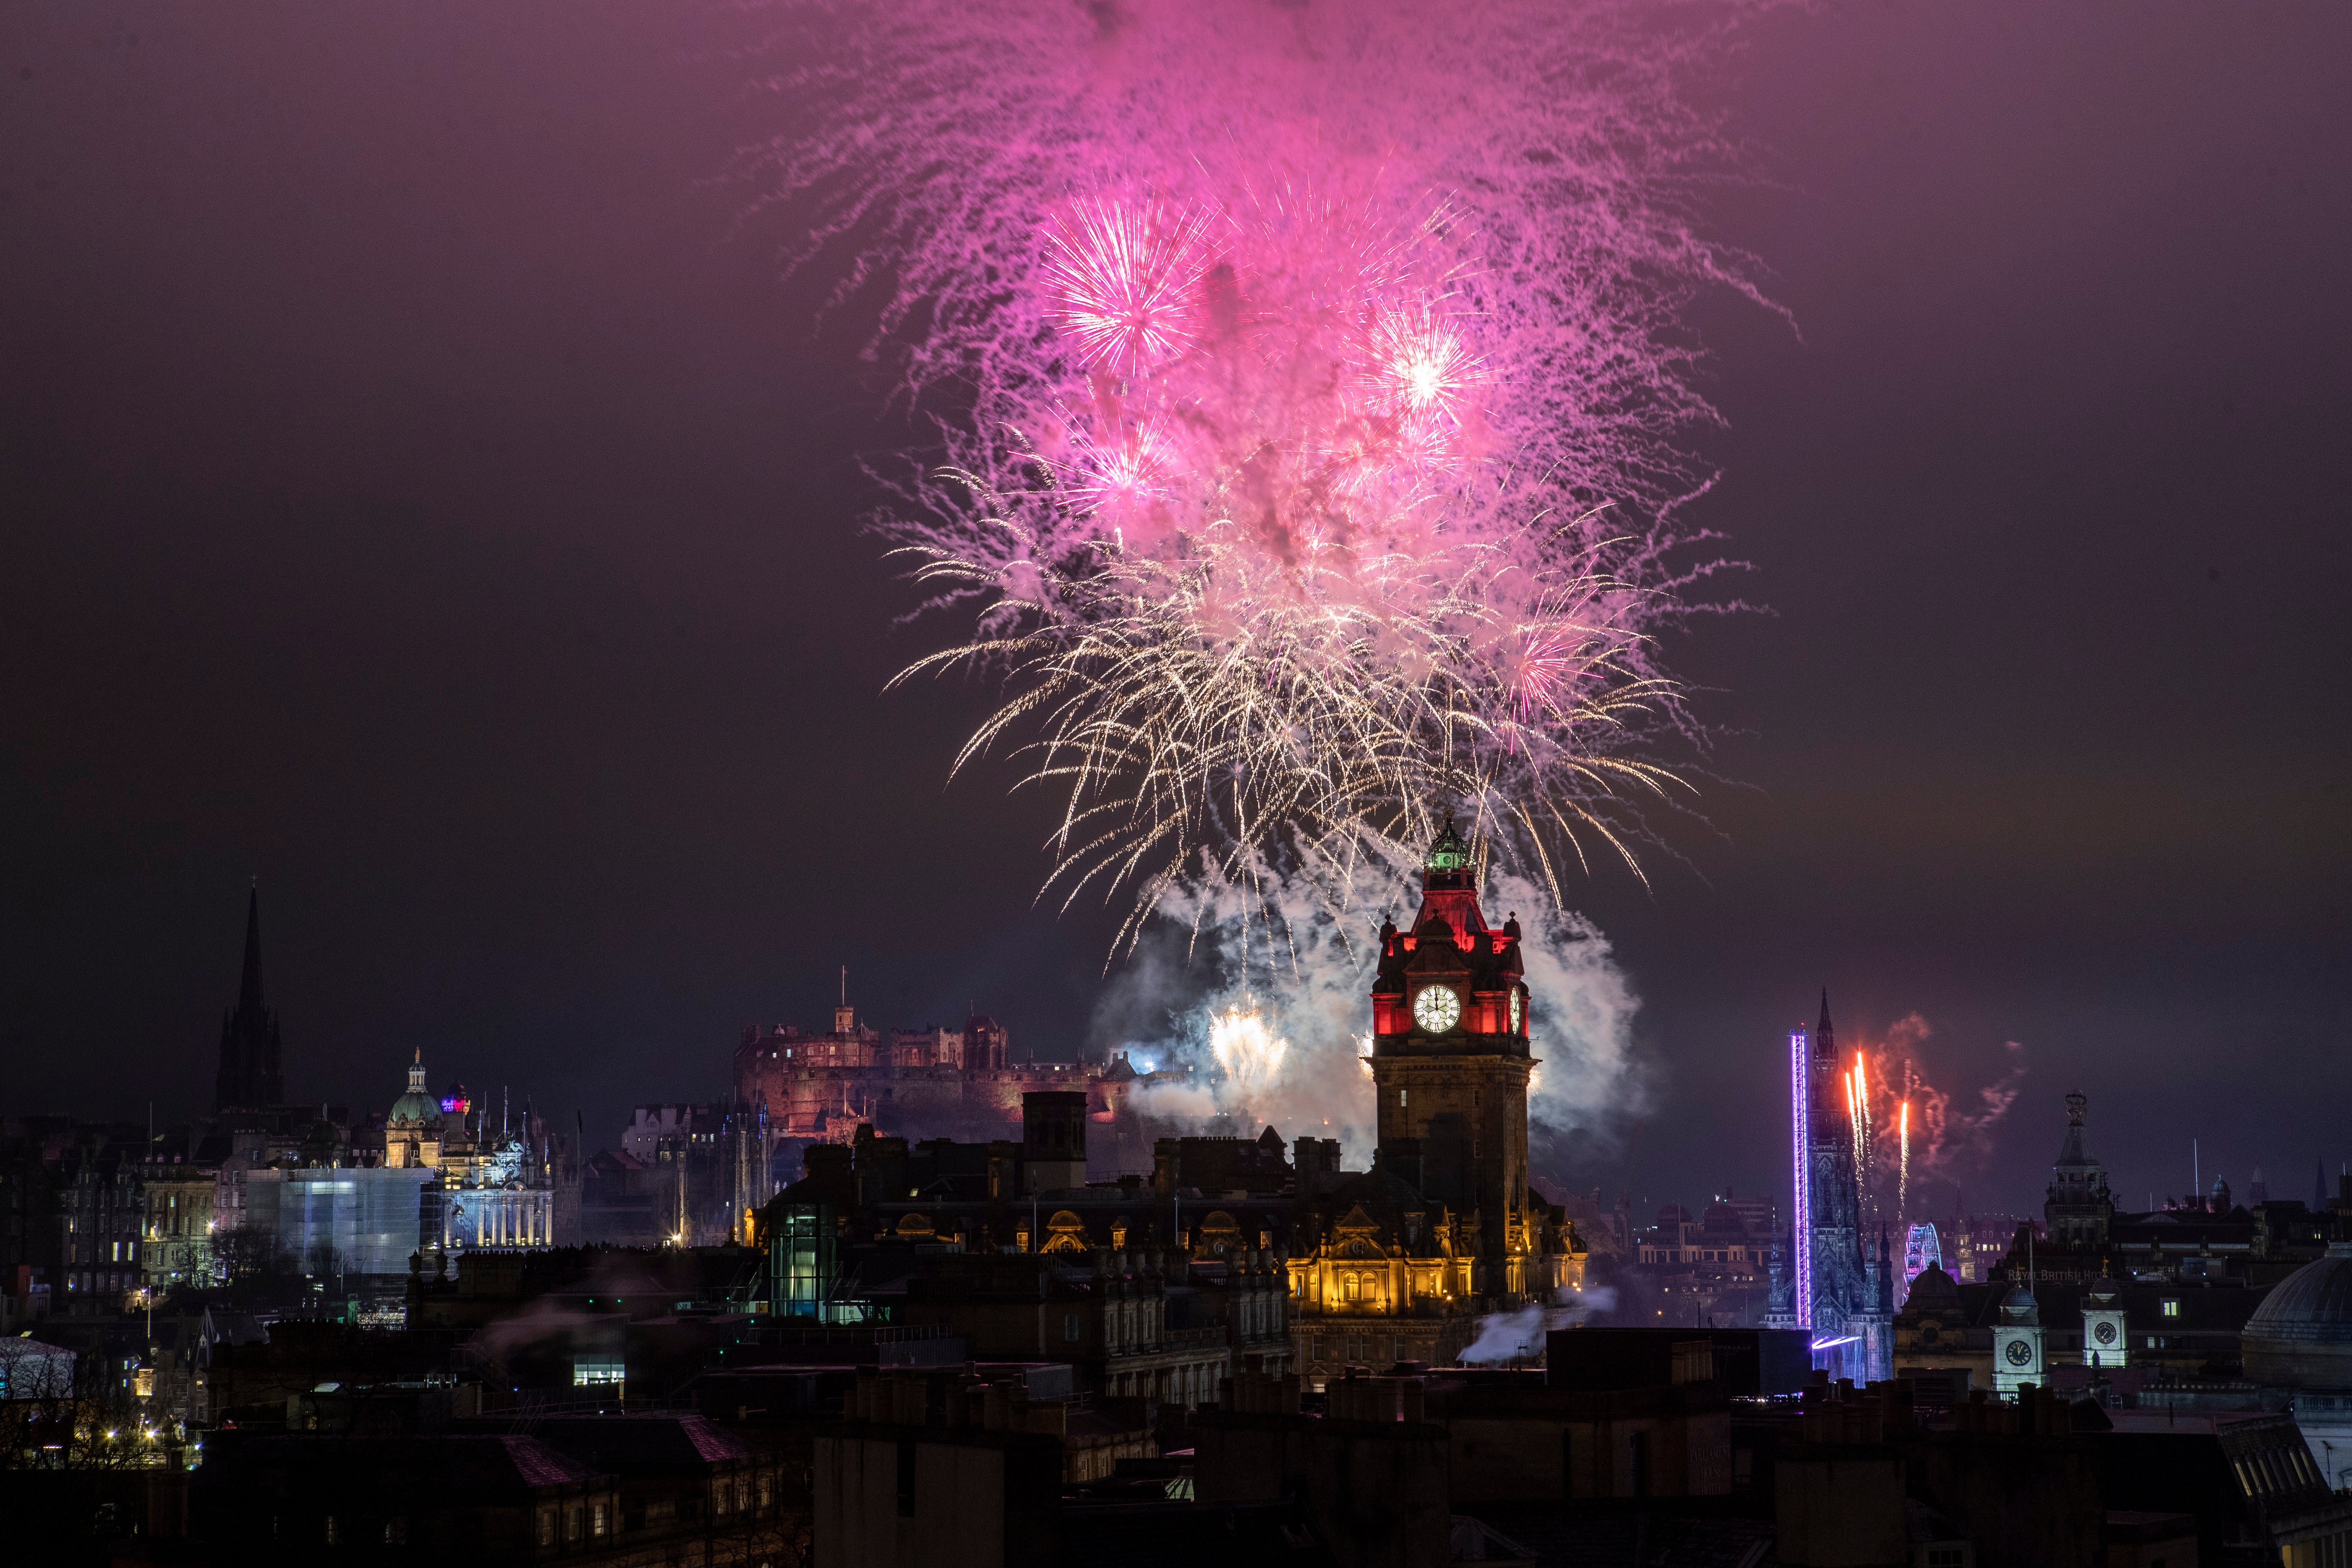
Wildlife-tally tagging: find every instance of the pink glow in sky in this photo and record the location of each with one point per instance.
(1322, 366)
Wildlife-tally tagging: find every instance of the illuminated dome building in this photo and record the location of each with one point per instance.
(412, 1131)
(493, 1187)
(2300, 1338)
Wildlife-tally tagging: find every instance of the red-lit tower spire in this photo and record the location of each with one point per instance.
(1451, 1062)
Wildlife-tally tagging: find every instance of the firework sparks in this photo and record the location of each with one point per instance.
(1861, 1122)
(1250, 1055)
(1123, 280)
(1918, 1123)
(1852, 1118)
(1310, 489)
(1903, 1168)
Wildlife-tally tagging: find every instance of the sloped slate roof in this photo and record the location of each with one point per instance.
(452, 1465)
(658, 1439)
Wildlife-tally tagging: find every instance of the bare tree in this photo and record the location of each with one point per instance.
(69, 1412)
(247, 1252)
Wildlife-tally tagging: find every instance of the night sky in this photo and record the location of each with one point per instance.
(422, 492)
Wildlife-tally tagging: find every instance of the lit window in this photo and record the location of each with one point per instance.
(2172, 1308)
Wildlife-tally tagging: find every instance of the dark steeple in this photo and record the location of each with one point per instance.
(1829, 1102)
(2070, 1152)
(250, 1078)
(248, 993)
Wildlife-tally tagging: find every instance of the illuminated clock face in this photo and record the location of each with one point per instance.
(2019, 1352)
(1436, 1008)
(1518, 1011)
(2105, 1333)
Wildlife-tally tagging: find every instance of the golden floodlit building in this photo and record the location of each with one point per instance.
(1403, 1259)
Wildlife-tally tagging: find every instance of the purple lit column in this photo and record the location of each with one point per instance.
(1801, 1220)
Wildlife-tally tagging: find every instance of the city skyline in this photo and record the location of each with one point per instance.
(1940, 1197)
(535, 734)
(1338, 783)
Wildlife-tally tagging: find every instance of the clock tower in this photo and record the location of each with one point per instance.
(1450, 1062)
(2017, 1343)
(2106, 1331)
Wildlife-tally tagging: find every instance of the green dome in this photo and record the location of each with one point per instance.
(416, 1108)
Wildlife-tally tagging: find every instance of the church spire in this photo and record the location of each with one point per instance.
(248, 995)
(249, 1077)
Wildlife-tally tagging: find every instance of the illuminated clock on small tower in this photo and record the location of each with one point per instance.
(2017, 1342)
(1450, 1060)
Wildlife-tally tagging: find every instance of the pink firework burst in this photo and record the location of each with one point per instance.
(1120, 478)
(1328, 399)
(1417, 373)
(1552, 660)
(1126, 280)
(1418, 362)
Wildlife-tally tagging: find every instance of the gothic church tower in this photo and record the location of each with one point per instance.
(250, 1078)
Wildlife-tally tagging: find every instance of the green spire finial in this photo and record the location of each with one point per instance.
(1448, 852)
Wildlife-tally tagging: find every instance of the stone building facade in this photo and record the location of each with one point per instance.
(1399, 1263)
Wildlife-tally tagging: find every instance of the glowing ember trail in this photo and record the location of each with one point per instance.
(1858, 1090)
(1902, 1171)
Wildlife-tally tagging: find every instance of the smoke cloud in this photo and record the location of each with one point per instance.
(1279, 947)
(1951, 1133)
(1519, 1336)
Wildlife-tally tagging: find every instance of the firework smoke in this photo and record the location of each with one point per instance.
(1925, 1126)
(1308, 993)
(1318, 416)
